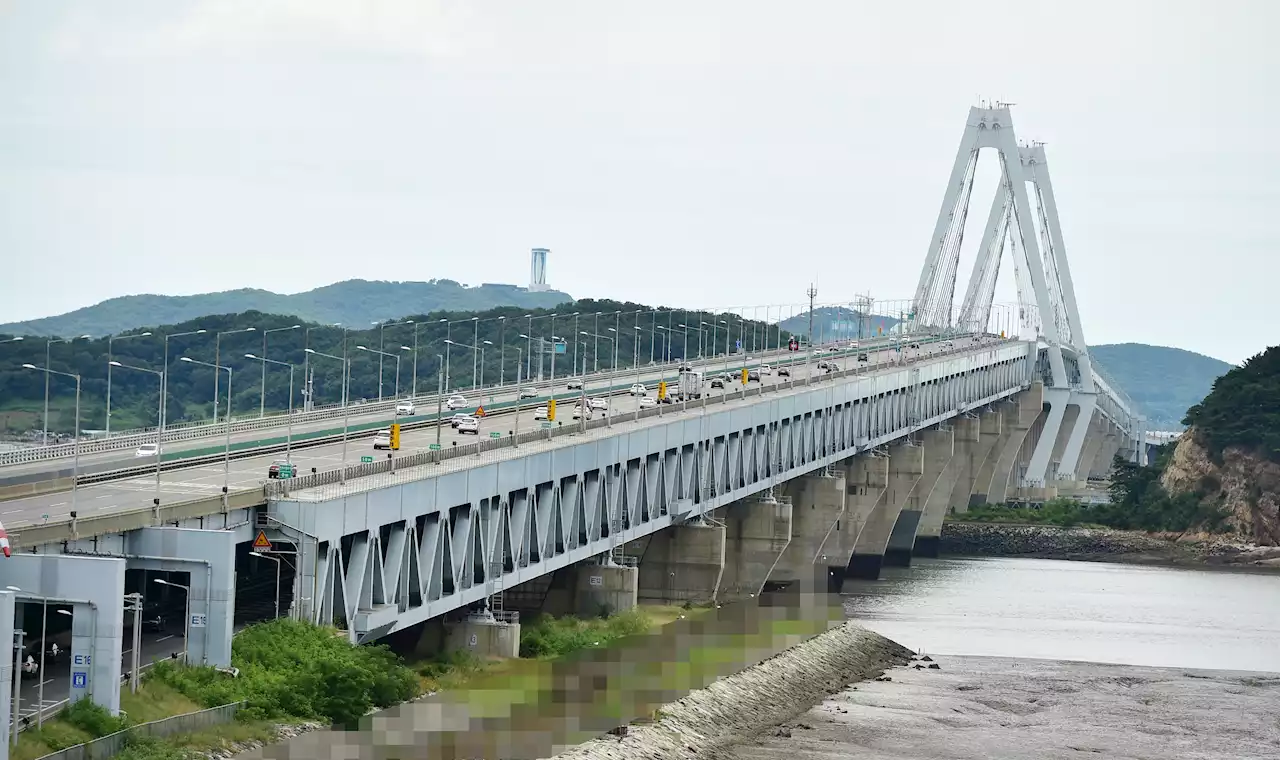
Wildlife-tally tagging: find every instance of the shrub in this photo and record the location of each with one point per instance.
(293, 669)
(551, 637)
(93, 718)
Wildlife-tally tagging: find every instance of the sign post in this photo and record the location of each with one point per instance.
(262, 543)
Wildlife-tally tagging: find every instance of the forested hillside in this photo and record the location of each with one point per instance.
(134, 394)
(352, 302)
(1163, 381)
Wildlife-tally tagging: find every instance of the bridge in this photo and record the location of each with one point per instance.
(836, 461)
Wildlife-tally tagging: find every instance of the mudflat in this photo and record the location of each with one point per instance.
(993, 707)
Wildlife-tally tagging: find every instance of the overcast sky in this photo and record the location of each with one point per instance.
(675, 153)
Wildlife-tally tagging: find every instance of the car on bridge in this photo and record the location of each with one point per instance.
(862, 357)
(456, 401)
(784, 372)
(469, 425)
(577, 413)
(541, 414)
(459, 417)
(598, 403)
(684, 367)
(647, 402)
(528, 392)
(406, 408)
(382, 440)
(573, 385)
(285, 466)
(639, 390)
(753, 376)
(717, 382)
(147, 450)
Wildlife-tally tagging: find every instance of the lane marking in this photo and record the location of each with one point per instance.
(164, 638)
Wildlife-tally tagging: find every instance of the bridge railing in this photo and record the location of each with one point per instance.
(395, 470)
(185, 431)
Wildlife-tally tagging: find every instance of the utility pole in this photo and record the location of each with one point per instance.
(812, 292)
(134, 605)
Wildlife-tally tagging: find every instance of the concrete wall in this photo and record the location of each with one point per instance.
(682, 564)
(939, 449)
(906, 466)
(757, 533)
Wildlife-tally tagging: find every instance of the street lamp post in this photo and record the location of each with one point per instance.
(226, 457)
(346, 410)
(44, 636)
(502, 355)
(110, 340)
(186, 626)
(288, 441)
(48, 344)
(479, 351)
(75, 466)
(217, 361)
(614, 341)
(394, 356)
(162, 374)
(413, 391)
(307, 402)
(439, 403)
(277, 561)
(164, 389)
(381, 327)
(262, 404)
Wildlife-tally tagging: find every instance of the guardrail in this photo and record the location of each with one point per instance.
(112, 744)
(368, 429)
(201, 429)
(340, 475)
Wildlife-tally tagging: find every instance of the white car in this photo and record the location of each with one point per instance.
(577, 413)
(405, 408)
(639, 390)
(147, 450)
(382, 440)
(528, 393)
(541, 414)
(647, 402)
(598, 403)
(469, 425)
(459, 417)
(456, 401)
(766, 369)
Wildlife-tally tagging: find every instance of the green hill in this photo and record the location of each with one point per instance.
(1243, 409)
(352, 302)
(1164, 382)
(839, 323)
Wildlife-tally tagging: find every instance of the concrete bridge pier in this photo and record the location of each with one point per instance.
(939, 449)
(866, 479)
(906, 466)
(682, 564)
(960, 470)
(757, 533)
(818, 512)
(974, 477)
(1111, 441)
(1092, 444)
(1027, 406)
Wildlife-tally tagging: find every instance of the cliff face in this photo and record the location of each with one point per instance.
(1246, 485)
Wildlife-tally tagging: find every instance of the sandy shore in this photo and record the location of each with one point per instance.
(976, 708)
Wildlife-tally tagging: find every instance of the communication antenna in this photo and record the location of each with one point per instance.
(812, 292)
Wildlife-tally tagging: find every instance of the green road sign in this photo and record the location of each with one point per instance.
(286, 471)
(366, 460)
(434, 447)
(495, 434)
(546, 426)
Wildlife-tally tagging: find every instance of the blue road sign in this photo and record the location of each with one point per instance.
(79, 679)
(739, 344)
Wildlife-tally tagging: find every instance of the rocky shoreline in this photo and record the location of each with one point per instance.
(1102, 545)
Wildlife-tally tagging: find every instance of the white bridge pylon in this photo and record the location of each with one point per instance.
(1046, 295)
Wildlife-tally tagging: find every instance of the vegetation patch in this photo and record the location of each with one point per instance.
(1243, 409)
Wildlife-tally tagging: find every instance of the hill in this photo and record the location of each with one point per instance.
(1164, 382)
(641, 332)
(839, 323)
(352, 302)
(1230, 454)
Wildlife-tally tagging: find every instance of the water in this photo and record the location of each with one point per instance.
(1085, 611)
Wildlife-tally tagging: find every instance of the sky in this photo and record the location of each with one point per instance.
(697, 154)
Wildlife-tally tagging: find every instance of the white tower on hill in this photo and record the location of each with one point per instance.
(538, 270)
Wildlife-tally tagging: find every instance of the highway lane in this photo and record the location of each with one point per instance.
(207, 480)
(425, 403)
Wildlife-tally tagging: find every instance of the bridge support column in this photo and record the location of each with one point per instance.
(939, 449)
(682, 564)
(1058, 400)
(866, 478)
(605, 589)
(817, 511)
(966, 439)
(1089, 452)
(906, 465)
(757, 532)
(975, 478)
(1106, 453)
(1028, 406)
(1070, 414)
(1070, 460)
(485, 636)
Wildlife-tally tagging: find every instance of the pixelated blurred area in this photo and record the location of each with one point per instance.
(538, 708)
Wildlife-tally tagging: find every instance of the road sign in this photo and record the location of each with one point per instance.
(738, 343)
(551, 411)
(82, 660)
(199, 620)
(546, 426)
(79, 679)
(479, 411)
(285, 471)
(434, 447)
(262, 542)
(395, 437)
(495, 434)
(662, 390)
(366, 460)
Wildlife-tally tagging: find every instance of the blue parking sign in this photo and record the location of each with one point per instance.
(79, 679)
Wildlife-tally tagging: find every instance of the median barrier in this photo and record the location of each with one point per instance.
(34, 488)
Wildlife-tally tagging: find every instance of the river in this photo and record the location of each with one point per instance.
(1084, 611)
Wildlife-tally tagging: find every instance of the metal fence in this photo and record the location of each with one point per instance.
(403, 469)
(112, 744)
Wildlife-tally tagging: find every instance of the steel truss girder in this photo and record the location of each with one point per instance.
(394, 557)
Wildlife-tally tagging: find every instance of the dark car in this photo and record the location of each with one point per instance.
(753, 377)
(862, 357)
(784, 372)
(717, 382)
